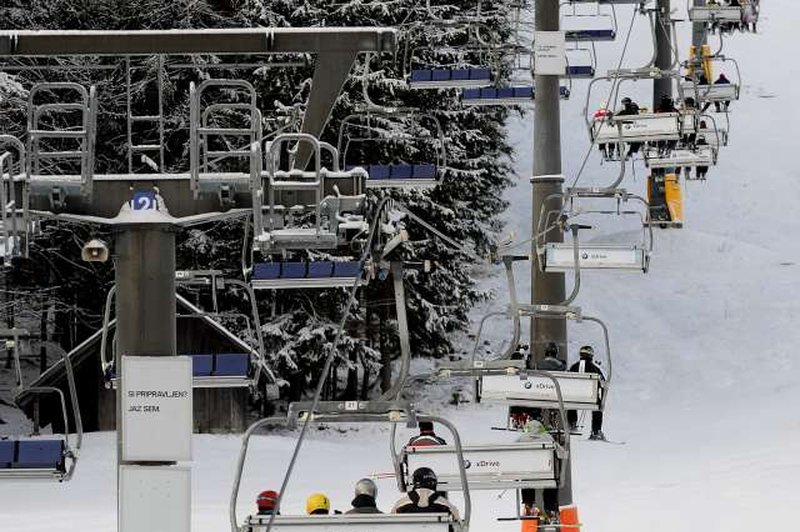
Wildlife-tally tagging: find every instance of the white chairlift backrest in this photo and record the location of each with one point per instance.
(715, 13)
(712, 92)
(352, 523)
(560, 257)
(649, 127)
(579, 390)
(489, 467)
(686, 158)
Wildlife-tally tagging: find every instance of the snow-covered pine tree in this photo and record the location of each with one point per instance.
(465, 206)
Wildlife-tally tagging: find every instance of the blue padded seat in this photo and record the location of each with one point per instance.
(320, 269)
(421, 75)
(471, 94)
(401, 171)
(441, 75)
(580, 70)
(423, 171)
(523, 92)
(7, 448)
(202, 365)
(480, 73)
(346, 269)
(266, 270)
(232, 364)
(39, 454)
(460, 74)
(293, 270)
(379, 171)
(505, 92)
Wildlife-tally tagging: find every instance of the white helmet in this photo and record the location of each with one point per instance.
(367, 487)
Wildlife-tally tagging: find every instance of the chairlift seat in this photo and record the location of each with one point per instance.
(579, 391)
(202, 365)
(488, 467)
(293, 270)
(402, 176)
(600, 34)
(559, 257)
(352, 523)
(714, 13)
(714, 92)
(300, 238)
(7, 448)
(320, 269)
(650, 127)
(231, 364)
(40, 454)
(450, 78)
(580, 71)
(302, 275)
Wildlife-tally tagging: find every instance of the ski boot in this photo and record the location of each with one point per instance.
(597, 435)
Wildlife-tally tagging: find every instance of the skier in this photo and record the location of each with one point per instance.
(426, 436)
(364, 502)
(266, 502)
(722, 80)
(423, 498)
(630, 108)
(551, 362)
(587, 365)
(604, 113)
(701, 170)
(318, 504)
(534, 430)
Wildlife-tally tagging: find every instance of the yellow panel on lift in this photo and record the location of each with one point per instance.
(666, 201)
(708, 66)
(672, 192)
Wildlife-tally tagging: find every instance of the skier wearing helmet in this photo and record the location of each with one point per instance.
(586, 364)
(424, 498)
(267, 502)
(364, 502)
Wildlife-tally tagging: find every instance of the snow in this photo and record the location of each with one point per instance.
(705, 388)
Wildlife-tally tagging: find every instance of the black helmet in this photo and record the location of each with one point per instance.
(551, 350)
(586, 351)
(424, 477)
(626, 101)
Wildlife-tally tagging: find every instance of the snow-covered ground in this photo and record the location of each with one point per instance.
(705, 389)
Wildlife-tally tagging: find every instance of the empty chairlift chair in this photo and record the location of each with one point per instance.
(302, 275)
(450, 78)
(503, 96)
(46, 458)
(594, 26)
(358, 131)
(331, 220)
(594, 255)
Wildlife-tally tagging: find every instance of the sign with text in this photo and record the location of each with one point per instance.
(157, 419)
(549, 53)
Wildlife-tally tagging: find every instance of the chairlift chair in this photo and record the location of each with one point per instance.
(279, 275)
(70, 142)
(589, 27)
(45, 458)
(431, 140)
(212, 145)
(575, 255)
(715, 92)
(336, 218)
(581, 62)
(391, 412)
(15, 221)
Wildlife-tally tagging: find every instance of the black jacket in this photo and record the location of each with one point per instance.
(588, 367)
(425, 501)
(364, 504)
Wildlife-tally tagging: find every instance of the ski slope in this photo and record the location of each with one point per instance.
(705, 391)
